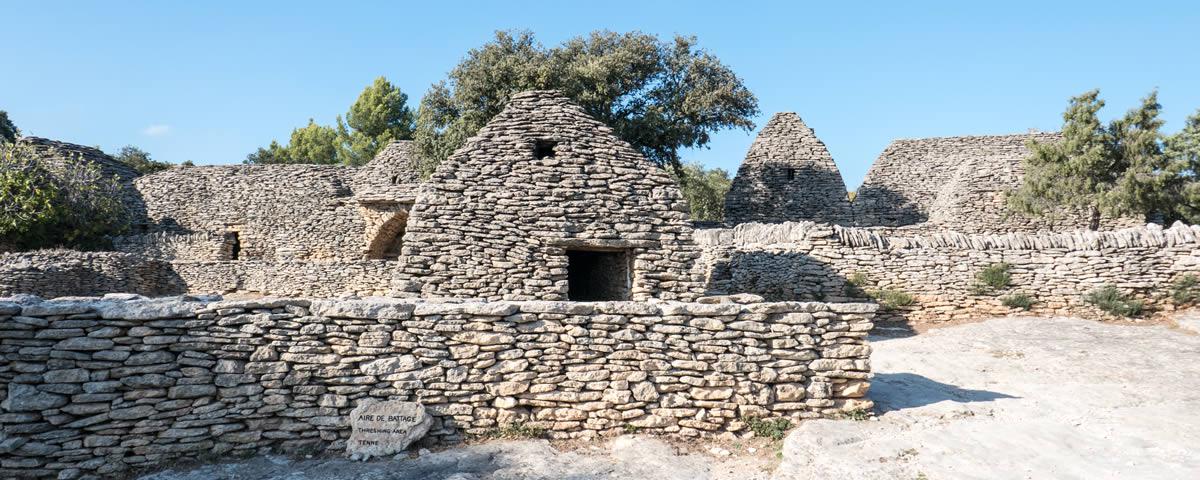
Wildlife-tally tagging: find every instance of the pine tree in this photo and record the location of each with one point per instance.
(1112, 170)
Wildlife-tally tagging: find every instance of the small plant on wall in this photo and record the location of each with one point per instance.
(855, 284)
(1019, 300)
(1111, 300)
(1185, 290)
(890, 298)
(992, 278)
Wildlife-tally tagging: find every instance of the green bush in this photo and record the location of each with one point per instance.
(1111, 300)
(1185, 289)
(515, 431)
(52, 200)
(854, 285)
(1018, 300)
(893, 298)
(772, 429)
(993, 277)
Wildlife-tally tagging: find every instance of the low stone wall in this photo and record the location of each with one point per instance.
(804, 260)
(98, 387)
(55, 273)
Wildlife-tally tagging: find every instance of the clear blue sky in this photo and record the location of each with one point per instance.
(211, 81)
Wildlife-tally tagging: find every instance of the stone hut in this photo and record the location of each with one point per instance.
(278, 212)
(957, 183)
(384, 191)
(788, 175)
(72, 152)
(546, 203)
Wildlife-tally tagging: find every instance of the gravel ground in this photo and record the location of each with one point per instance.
(1006, 398)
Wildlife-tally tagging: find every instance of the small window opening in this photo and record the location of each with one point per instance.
(544, 149)
(598, 276)
(395, 179)
(791, 173)
(233, 245)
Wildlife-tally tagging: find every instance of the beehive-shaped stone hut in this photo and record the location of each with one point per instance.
(395, 172)
(788, 175)
(546, 203)
(959, 184)
(64, 151)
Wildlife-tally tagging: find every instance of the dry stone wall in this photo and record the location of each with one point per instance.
(805, 260)
(296, 211)
(93, 388)
(66, 273)
(55, 273)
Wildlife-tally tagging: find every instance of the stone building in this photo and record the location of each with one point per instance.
(278, 212)
(788, 175)
(959, 184)
(71, 152)
(546, 203)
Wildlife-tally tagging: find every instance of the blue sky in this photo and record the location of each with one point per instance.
(211, 81)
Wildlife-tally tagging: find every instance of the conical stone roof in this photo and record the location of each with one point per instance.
(788, 175)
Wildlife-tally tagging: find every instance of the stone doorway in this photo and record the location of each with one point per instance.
(598, 275)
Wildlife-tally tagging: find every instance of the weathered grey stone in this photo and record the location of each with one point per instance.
(387, 366)
(384, 428)
(27, 398)
(191, 391)
(84, 344)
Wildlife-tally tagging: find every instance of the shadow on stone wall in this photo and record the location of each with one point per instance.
(780, 191)
(879, 206)
(780, 277)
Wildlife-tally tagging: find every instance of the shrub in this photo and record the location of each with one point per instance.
(772, 429)
(50, 200)
(1018, 300)
(893, 298)
(993, 277)
(855, 283)
(517, 431)
(857, 414)
(1111, 300)
(1185, 289)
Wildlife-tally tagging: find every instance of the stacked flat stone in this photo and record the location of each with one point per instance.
(495, 220)
(806, 260)
(64, 151)
(788, 175)
(394, 174)
(95, 388)
(324, 213)
(958, 184)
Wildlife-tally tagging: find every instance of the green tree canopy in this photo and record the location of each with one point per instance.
(704, 190)
(1114, 169)
(8, 131)
(659, 96)
(1183, 171)
(140, 160)
(379, 116)
(49, 201)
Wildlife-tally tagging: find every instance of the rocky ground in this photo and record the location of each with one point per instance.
(1005, 398)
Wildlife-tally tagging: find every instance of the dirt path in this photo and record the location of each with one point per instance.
(1019, 398)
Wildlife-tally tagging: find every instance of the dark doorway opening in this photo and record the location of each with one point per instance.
(232, 246)
(598, 275)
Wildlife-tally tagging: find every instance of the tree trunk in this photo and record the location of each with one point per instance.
(1094, 221)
